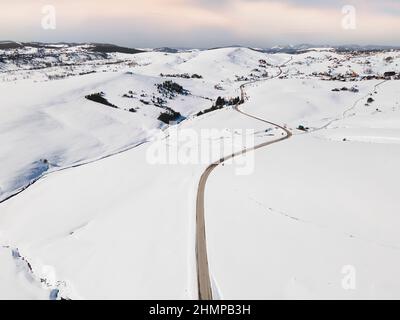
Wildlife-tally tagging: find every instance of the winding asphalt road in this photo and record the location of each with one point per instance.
(203, 272)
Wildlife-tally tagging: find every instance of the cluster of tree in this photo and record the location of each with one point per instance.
(99, 98)
(58, 76)
(130, 94)
(389, 74)
(110, 48)
(159, 102)
(242, 78)
(303, 128)
(182, 75)
(169, 116)
(221, 103)
(252, 76)
(87, 72)
(171, 89)
(352, 89)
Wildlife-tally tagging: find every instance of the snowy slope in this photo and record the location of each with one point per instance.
(61, 128)
(315, 204)
(105, 223)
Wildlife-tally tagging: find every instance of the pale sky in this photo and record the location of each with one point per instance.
(203, 23)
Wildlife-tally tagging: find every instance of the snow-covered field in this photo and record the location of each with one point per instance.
(315, 205)
(100, 221)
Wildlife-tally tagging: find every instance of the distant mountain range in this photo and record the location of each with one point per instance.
(304, 47)
(95, 47)
(110, 48)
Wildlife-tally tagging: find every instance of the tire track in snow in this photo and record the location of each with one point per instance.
(344, 114)
(321, 226)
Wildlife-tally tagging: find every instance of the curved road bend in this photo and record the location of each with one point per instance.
(203, 272)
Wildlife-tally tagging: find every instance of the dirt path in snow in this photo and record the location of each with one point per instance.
(355, 104)
(203, 272)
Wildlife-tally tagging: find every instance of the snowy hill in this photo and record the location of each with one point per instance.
(84, 214)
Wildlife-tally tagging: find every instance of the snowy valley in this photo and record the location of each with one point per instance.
(84, 214)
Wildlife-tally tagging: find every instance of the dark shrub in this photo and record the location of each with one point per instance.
(99, 98)
(170, 116)
(220, 102)
(302, 128)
